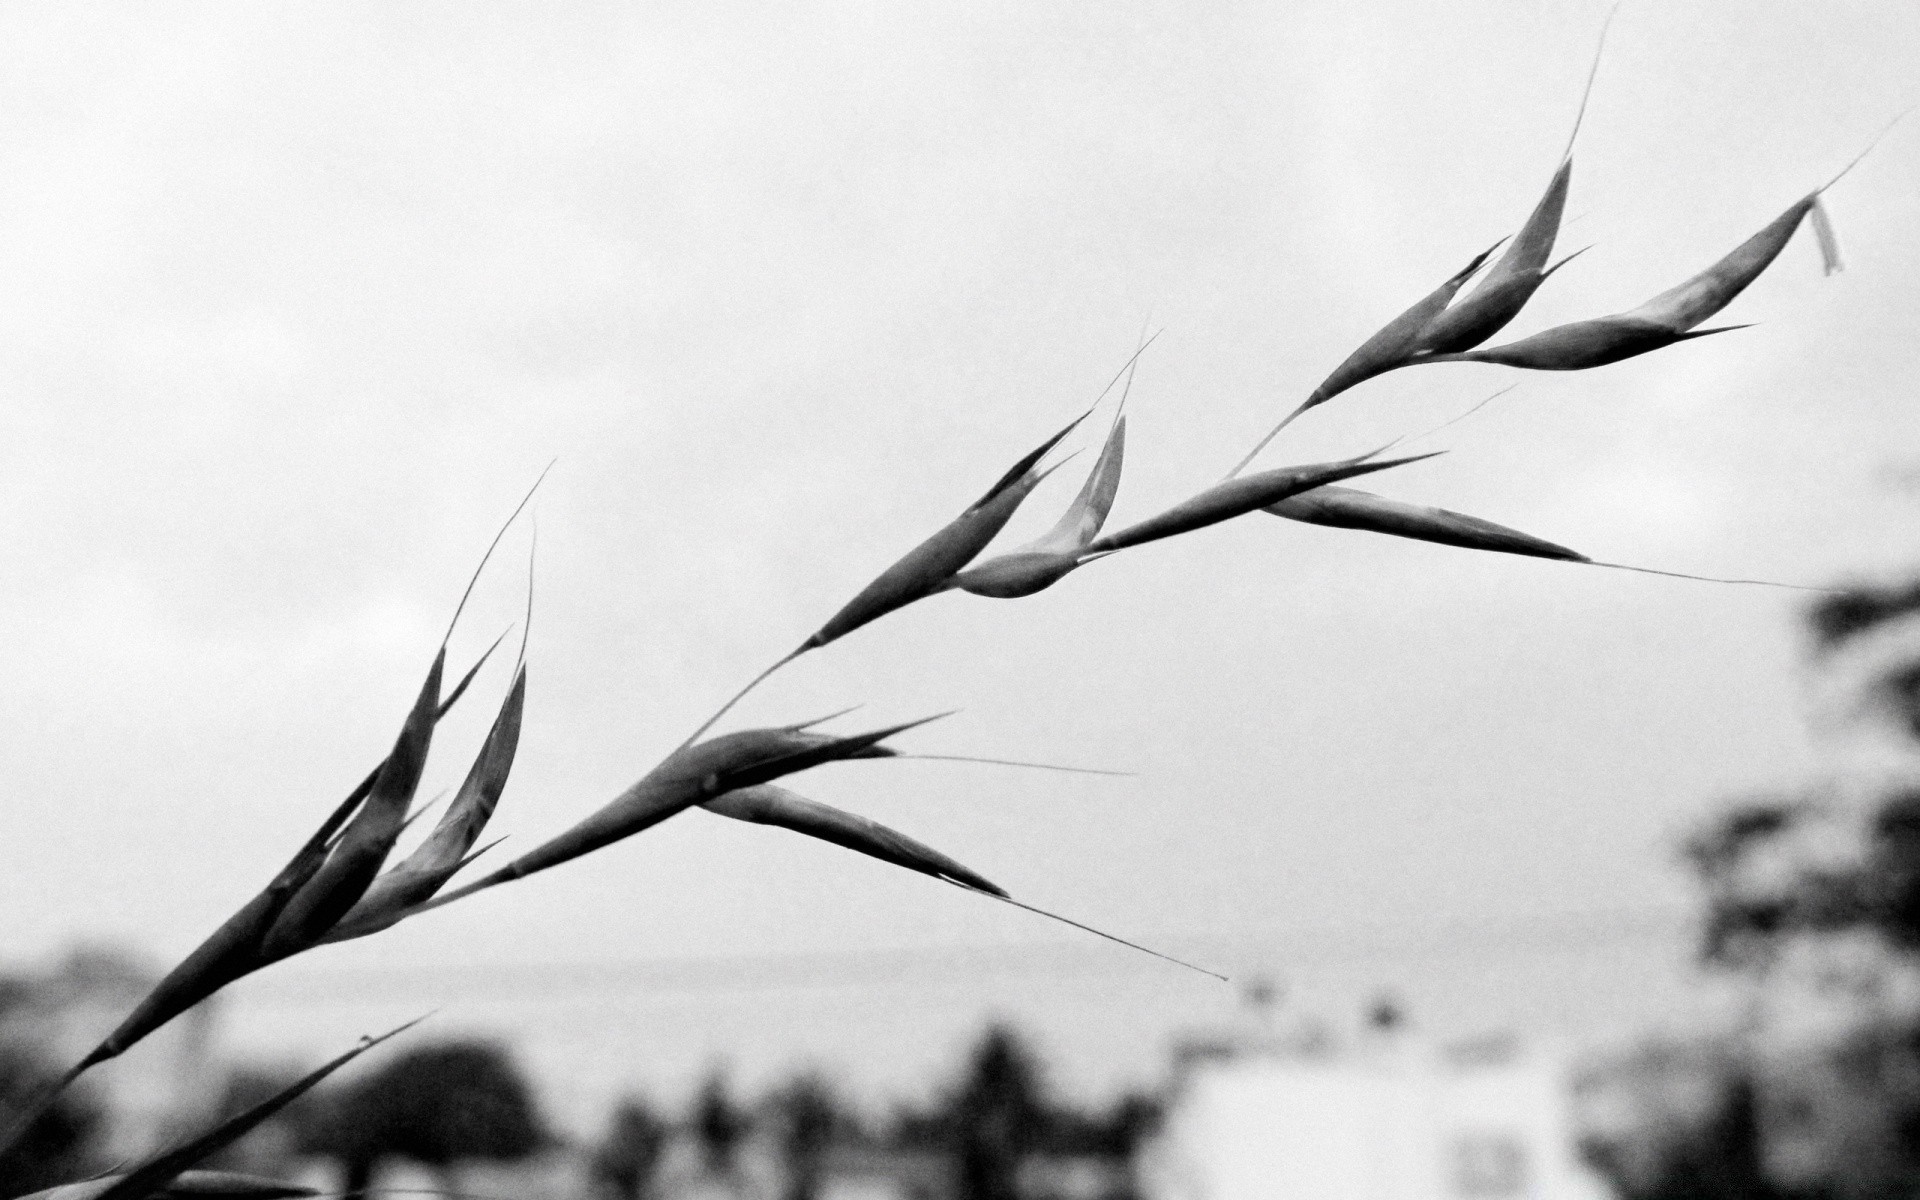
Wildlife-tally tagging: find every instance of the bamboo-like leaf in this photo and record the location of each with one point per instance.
(778, 806)
(152, 1177)
(1498, 298)
(231, 951)
(189, 1185)
(1581, 345)
(1088, 512)
(1685, 305)
(1672, 316)
(1044, 561)
(1349, 508)
(1245, 494)
(260, 931)
(245, 941)
(771, 805)
(417, 877)
(1391, 347)
(926, 568)
(688, 776)
(364, 844)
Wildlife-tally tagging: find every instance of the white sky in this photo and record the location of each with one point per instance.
(302, 297)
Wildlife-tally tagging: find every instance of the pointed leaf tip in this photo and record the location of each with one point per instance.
(771, 805)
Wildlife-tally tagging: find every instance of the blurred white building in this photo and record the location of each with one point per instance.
(1262, 1114)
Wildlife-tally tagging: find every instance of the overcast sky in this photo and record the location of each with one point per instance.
(301, 298)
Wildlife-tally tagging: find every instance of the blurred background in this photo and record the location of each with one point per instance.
(304, 298)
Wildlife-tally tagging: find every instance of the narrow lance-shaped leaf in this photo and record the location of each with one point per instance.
(231, 951)
(1498, 298)
(152, 1176)
(1390, 348)
(1513, 279)
(1682, 307)
(930, 566)
(1046, 560)
(416, 878)
(1671, 316)
(688, 777)
(768, 804)
(777, 806)
(365, 843)
(234, 949)
(1235, 497)
(1349, 508)
(241, 944)
(926, 568)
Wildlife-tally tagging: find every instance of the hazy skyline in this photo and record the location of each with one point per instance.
(304, 297)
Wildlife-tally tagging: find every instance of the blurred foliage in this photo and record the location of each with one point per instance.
(996, 1116)
(268, 1150)
(622, 1166)
(999, 1114)
(54, 1149)
(1672, 1119)
(1812, 914)
(1856, 610)
(436, 1105)
(808, 1120)
(719, 1124)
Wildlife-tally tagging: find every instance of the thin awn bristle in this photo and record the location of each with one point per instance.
(1134, 362)
(1884, 131)
(460, 689)
(477, 853)
(422, 811)
(832, 716)
(491, 546)
(1053, 916)
(1009, 762)
(1772, 583)
(1125, 370)
(1463, 416)
(1593, 73)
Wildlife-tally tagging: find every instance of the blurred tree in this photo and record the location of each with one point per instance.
(624, 1163)
(57, 1147)
(998, 1116)
(1813, 912)
(808, 1118)
(719, 1124)
(436, 1105)
(266, 1151)
(1672, 1120)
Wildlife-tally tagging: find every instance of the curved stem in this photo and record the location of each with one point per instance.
(1262, 443)
(740, 695)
